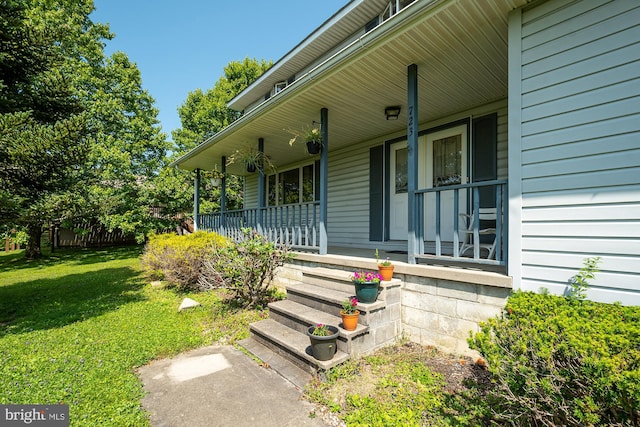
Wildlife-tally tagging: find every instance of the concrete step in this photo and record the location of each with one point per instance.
(299, 317)
(328, 300)
(281, 341)
(292, 345)
(272, 360)
(329, 278)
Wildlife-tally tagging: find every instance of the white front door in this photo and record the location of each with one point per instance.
(446, 159)
(398, 196)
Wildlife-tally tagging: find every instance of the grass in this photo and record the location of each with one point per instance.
(405, 385)
(75, 325)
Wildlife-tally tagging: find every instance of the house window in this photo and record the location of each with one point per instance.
(271, 190)
(372, 24)
(279, 87)
(293, 186)
(290, 187)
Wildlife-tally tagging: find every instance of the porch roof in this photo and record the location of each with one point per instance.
(460, 47)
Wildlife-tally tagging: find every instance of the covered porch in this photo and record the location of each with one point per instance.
(442, 65)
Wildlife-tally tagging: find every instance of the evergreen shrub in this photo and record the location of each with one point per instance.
(562, 361)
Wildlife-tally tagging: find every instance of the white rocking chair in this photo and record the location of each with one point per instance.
(484, 214)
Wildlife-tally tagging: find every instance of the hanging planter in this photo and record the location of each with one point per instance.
(252, 159)
(323, 341)
(311, 136)
(314, 147)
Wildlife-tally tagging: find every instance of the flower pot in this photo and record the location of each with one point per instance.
(323, 348)
(251, 167)
(350, 321)
(313, 147)
(367, 292)
(386, 272)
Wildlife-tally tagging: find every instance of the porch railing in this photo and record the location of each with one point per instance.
(296, 226)
(445, 240)
(439, 234)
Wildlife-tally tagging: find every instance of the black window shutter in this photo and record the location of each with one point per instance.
(376, 201)
(485, 156)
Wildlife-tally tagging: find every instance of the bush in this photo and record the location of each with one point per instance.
(246, 268)
(179, 259)
(563, 361)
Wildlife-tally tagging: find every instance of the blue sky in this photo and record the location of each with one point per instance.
(180, 46)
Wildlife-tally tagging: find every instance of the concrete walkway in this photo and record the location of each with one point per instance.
(221, 386)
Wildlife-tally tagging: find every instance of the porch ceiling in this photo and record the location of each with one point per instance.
(460, 47)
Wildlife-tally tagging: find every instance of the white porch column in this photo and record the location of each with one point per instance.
(412, 159)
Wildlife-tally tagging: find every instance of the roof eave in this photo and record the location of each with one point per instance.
(330, 63)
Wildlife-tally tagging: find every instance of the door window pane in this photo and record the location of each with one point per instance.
(401, 178)
(447, 161)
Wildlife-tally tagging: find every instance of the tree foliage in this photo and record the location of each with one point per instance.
(205, 113)
(43, 128)
(80, 140)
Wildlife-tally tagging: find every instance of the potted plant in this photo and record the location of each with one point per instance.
(252, 158)
(367, 284)
(350, 314)
(385, 268)
(311, 136)
(323, 341)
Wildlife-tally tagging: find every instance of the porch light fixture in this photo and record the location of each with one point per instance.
(392, 113)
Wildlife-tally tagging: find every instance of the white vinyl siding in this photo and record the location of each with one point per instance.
(251, 191)
(348, 209)
(580, 145)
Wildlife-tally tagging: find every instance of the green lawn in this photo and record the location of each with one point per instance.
(76, 324)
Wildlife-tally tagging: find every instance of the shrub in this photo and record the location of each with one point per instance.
(246, 268)
(179, 259)
(563, 361)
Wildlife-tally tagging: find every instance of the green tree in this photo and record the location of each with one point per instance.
(205, 113)
(129, 148)
(43, 129)
(80, 140)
